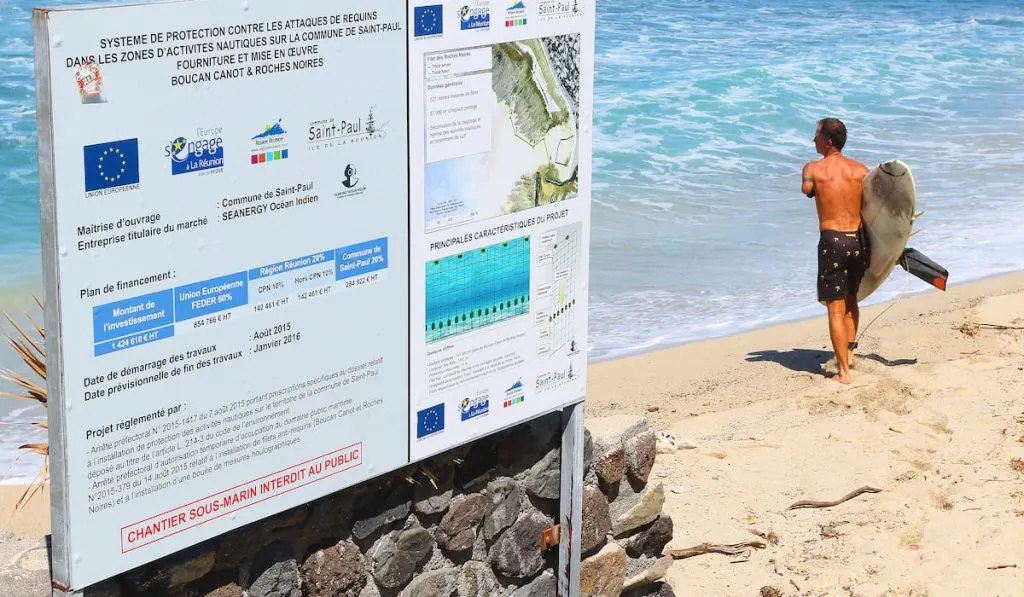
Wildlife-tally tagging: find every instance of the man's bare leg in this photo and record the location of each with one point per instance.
(852, 322)
(837, 328)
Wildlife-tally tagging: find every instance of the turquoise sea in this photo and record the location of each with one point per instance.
(704, 115)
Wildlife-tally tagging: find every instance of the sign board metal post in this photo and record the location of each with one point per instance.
(571, 510)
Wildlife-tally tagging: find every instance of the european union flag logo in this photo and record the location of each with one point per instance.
(110, 165)
(428, 20)
(430, 421)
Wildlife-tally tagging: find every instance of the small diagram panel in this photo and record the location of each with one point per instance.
(558, 270)
(507, 114)
(477, 288)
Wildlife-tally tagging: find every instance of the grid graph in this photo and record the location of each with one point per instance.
(565, 265)
(477, 288)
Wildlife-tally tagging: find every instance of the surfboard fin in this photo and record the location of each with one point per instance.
(918, 264)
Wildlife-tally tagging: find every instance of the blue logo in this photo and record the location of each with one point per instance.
(429, 20)
(430, 421)
(203, 153)
(471, 408)
(111, 165)
(474, 18)
(518, 6)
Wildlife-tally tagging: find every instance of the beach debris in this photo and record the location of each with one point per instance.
(897, 429)
(667, 443)
(653, 409)
(743, 549)
(1020, 440)
(845, 498)
(771, 592)
(1001, 566)
(770, 536)
(969, 329)
(1017, 464)
(828, 531)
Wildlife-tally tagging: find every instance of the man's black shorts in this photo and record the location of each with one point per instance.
(843, 258)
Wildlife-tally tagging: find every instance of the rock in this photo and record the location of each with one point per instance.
(477, 580)
(645, 512)
(597, 521)
(506, 499)
(544, 585)
(609, 455)
(544, 479)
(172, 572)
(650, 576)
(588, 449)
(652, 540)
(611, 466)
(276, 573)
(396, 555)
(517, 552)
(330, 517)
(111, 588)
(370, 590)
(544, 429)
(376, 520)
(189, 566)
(640, 452)
(437, 583)
(602, 574)
(658, 589)
(228, 590)
(457, 530)
(338, 571)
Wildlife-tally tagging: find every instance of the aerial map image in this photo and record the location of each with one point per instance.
(531, 158)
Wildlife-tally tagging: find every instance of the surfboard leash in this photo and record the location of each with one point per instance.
(902, 293)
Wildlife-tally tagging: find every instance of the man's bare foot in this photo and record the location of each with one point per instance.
(843, 378)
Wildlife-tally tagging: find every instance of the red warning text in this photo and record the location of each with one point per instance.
(210, 508)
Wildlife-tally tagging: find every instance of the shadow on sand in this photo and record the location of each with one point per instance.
(805, 360)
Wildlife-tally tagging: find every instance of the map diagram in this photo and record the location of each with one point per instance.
(477, 288)
(529, 156)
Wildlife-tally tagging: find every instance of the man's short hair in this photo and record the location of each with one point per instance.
(835, 131)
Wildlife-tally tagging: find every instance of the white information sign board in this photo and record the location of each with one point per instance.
(501, 102)
(225, 240)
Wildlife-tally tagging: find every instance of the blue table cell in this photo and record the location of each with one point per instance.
(134, 340)
(291, 265)
(361, 258)
(211, 296)
(129, 316)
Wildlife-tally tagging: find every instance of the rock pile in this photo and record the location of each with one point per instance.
(624, 529)
(467, 523)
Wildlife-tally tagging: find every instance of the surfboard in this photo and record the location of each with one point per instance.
(887, 210)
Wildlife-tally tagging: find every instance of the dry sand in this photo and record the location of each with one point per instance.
(934, 418)
(29, 522)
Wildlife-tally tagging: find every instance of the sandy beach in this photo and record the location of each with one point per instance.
(934, 418)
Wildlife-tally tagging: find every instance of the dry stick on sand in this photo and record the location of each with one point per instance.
(735, 549)
(1001, 566)
(847, 497)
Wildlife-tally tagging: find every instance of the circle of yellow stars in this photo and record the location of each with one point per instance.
(432, 15)
(118, 155)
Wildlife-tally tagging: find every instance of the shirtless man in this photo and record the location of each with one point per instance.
(835, 183)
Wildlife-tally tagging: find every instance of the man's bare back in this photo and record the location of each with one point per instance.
(836, 183)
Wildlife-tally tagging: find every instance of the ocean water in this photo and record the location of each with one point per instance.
(704, 114)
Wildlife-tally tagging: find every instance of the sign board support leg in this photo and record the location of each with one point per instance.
(571, 515)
